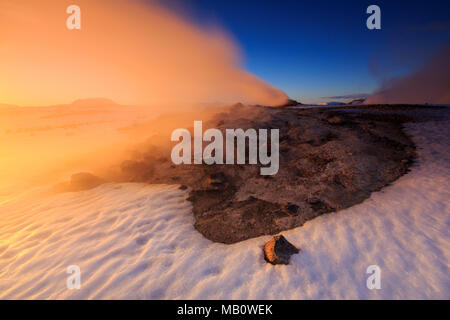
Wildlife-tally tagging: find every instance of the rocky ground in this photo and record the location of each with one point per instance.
(330, 159)
(147, 232)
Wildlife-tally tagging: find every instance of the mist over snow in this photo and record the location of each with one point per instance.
(135, 241)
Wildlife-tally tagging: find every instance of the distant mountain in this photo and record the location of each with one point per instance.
(79, 103)
(94, 102)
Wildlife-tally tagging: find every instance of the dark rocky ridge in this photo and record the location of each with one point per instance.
(329, 160)
(79, 182)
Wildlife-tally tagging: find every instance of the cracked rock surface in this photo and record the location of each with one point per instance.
(330, 159)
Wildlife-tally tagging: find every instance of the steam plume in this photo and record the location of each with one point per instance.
(431, 84)
(131, 51)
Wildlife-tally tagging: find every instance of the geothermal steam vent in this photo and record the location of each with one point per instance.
(328, 161)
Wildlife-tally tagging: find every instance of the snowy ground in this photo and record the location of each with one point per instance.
(137, 241)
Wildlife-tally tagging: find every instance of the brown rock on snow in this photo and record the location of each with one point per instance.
(278, 250)
(329, 160)
(79, 182)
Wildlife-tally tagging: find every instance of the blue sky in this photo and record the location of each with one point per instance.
(315, 49)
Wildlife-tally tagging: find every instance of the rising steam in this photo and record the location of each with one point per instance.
(431, 84)
(136, 53)
(131, 51)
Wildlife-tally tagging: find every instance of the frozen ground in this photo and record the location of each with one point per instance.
(137, 241)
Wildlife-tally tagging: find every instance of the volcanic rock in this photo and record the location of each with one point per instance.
(79, 182)
(278, 250)
(329, 160)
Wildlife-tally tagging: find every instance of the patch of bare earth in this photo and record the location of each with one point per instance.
(329, 160)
